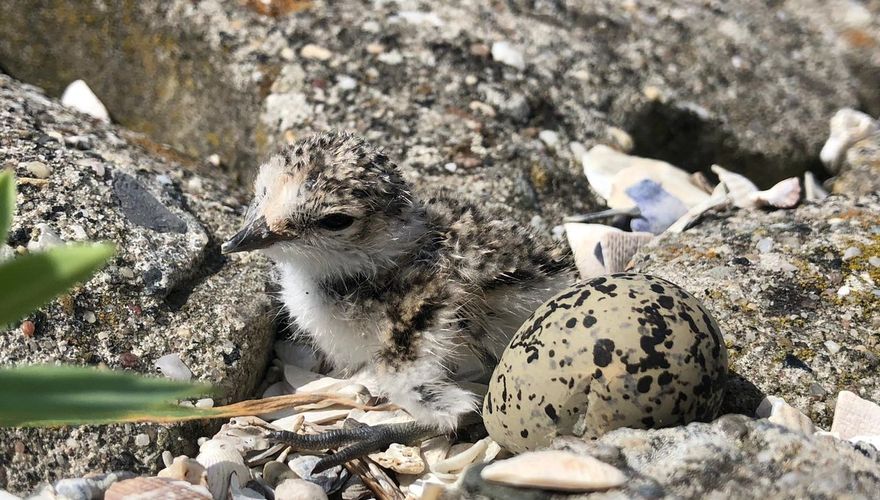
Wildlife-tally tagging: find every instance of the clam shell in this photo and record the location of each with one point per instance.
(155, 488)
(854, 416)
(848, 127)
(777, 411)
(601, 164)
(380, 417)
(619, 247)
(298, 489)
(400, 458)
(275, 472)
(183, 468)
(221, 463)
(740, 189)
(784, 194)
(463, 454)
(554, 470)
(585, 241)
(173, 367)
(673, 180)
(331, 480)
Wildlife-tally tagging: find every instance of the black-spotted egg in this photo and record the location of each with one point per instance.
(624, 350)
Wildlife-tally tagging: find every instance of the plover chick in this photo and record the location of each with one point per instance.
(411, 293)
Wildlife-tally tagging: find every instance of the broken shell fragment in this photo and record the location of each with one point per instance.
(657, 208)
(855, 417)
(739, 188)
(619, 247)
(400, 458)
(675, 181)
(186, 469)
(222, 461)
(156, 487)
(777, 411)
(554, 470)
(813, 191)
(784, 194)
(848, 127)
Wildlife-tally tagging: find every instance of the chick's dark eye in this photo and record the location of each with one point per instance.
(335, 222)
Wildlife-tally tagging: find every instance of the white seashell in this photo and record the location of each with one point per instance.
(292, 423)
(739, 188)
(243, 435)
(275, 472)
(700, 180)
(813, 191)
(400, 458)
(848, 127)
(46, 239)
(80, 97)
(718, 200)
(237, 492)
(172, 367)
(156, 488)
(601, 164)
(585, 241)
(298, 489)
(5, 495)
(673, 180)
(464, 454)
(854, 416)
(618, 248)
(435, 450)
(326, 415)
(784, 194)
(89, 487)
(504, 52)
(221, 463)
(554, 470)
(777, 411)
(331, 480)
(183, 468)
(380, 417)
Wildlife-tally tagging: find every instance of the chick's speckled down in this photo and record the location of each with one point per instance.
(625, 350)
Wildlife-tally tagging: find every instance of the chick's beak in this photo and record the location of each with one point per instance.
(253, 236)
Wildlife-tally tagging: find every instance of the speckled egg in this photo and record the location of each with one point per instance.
(625, 350)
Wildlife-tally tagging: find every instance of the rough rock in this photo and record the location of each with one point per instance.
(734, 457)
(167, 290)
(777, 309)
(860, 171)
(738, 83)
(853, 26)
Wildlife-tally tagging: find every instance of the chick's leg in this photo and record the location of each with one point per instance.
(420, 388)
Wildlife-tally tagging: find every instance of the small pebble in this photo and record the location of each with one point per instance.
(28, 328)
(874, 261)
(205, 403)
(37, 169)
(450, 167)
(765, 245)
(391, 58)
(346, 82)
(504, 52)
(550, 138)
(312, 51)
(89, 317)
(142, 440)
(843, 291)
(375, 48)
(129, 360)
(126, 273)
(851, 253)
(832, 346)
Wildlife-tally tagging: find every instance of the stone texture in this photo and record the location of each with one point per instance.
(167, 290)
(860, 171)
(739, 83)
(853, 26)
(734, 457)
(777, 309)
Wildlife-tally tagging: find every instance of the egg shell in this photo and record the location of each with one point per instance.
(624, 350)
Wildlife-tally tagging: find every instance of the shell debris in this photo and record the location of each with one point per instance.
(777, 411)
(855, 417)
(554, 470)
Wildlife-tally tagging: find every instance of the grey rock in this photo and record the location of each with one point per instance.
(165, 291)
(740, 83)
(777, 320)
(734, 457)
(854, 28)
(860, 171)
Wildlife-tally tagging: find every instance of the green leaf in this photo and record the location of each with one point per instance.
(40, 396)
(7, 204)
(30, 281)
